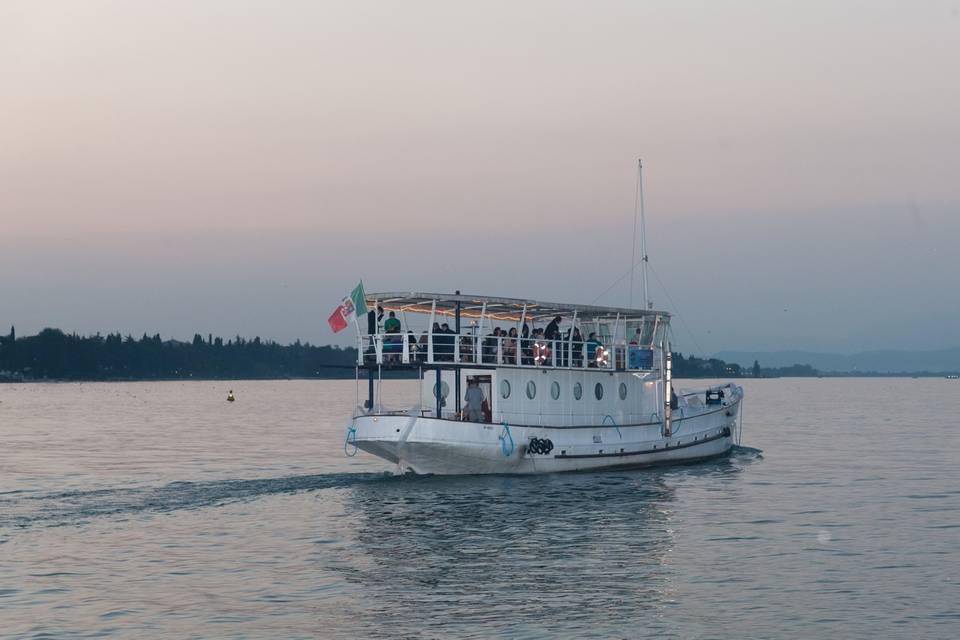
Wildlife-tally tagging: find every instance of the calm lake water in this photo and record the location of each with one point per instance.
(158, 509)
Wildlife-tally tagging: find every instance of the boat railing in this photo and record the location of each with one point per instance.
(397, 349)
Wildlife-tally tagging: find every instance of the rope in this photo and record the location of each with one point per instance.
(351, 439)
(504, 436)
(614, 422)
(676, 311)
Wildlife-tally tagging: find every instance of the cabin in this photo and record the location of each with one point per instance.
(537, 363)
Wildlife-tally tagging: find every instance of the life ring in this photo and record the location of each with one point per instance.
(541, 352)
(603, 357)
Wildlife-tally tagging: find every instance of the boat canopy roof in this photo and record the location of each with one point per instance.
(504, 309)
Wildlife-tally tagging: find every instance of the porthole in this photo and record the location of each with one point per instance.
(531, 389)
(577, 391)
(504, 389)
(598, 391)
(555, 390)
(623, 390)
(441, 390)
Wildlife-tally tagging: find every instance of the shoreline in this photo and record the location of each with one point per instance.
(395, 376)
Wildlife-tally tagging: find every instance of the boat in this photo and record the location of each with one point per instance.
(510, 385)
(594, 390)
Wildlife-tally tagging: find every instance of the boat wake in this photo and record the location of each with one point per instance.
(22, 509)
(746, 453)
(25, 509)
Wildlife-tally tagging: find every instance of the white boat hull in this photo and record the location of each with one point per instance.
(434, 446)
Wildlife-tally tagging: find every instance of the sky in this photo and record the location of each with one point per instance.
(235, 167)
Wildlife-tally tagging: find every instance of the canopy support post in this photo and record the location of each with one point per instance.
(667, 374)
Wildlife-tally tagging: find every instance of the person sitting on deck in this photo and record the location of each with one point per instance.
(474, 401)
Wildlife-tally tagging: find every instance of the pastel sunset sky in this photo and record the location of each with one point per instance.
(235, 167)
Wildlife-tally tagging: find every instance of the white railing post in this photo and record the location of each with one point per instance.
(378, 348)
(478, 339)
(433, 315)
(405, 358)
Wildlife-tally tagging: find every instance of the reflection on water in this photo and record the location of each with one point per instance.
(585, 551)
(160, 510)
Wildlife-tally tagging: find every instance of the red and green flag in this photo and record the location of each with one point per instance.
(355, 303)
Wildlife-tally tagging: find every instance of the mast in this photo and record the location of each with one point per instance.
(648, 304)
(638, 209)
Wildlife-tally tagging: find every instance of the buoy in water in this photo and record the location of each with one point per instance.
(230, 397)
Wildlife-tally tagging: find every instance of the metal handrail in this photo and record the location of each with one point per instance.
(467, 348)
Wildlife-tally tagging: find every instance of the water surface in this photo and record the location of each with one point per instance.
(158, 509)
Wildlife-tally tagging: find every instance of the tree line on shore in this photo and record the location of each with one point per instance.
(55, 355)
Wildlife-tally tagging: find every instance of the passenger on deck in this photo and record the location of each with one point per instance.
(392, 344)
(412, 345)
(466, 349)
(392, 325)
(592, 345)
(552, 332)
(526, 346)
(474, 401)
(436, 334)
(424, 345)
(449, 341)
(510, 347)
(577, 347)
(490, 346)
(633, 351)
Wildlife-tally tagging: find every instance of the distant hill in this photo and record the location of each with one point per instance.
(889, 361)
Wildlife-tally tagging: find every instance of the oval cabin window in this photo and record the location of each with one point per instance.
(504, 389)
(623, 390)
(441, 390)
(531, 389)
(555, 390)
(577, 391)
(598, 391)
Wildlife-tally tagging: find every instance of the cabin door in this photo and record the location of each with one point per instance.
(485, 381)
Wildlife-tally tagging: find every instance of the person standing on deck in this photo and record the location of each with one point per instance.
(392, 325)
(592, 345)
(552, 333)
(474, 401)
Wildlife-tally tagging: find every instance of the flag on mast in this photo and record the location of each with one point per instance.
(359, 298)
(338, 319)
(355, 303)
